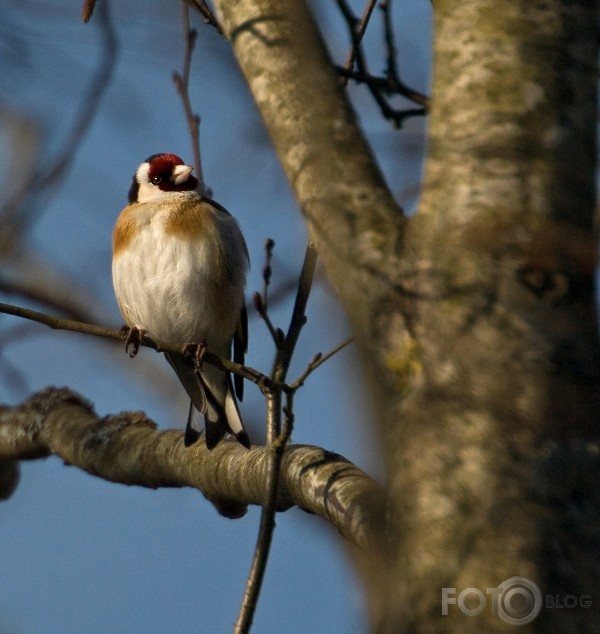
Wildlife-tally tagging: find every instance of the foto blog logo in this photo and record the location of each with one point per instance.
(516, 600)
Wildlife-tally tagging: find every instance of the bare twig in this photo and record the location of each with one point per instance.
(298, 319)
(356, 67)
(276, 442)
(265, 530)
(267, 270)
(318, 360)
(358, 31)
(208, 15)
(388, 30)
(394, 83)
(87, 10)
(59, 323)
(288, 420)
(43, 182)
(182, 84)
(44, 294)
(389, 85)
(261, 302)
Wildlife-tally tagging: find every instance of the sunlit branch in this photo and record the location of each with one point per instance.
(129, 449)
(60, 323)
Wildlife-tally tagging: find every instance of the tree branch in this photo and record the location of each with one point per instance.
(276, 441)
(261, 302)
(357, 30)
(182, 82)
(317, 361)
(206, 13)
(45, 180)
(53, 296)
(127, 448)
(59, 323)
(349, 210)
(378, 87)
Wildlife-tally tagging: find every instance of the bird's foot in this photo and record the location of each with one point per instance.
(195, 353)
(133, 337)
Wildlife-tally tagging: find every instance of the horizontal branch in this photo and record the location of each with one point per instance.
(129, 449)
(61, 323)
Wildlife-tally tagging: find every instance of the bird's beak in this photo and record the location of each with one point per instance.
(181, 173)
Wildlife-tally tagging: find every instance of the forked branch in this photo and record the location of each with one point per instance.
(356, 66)
(276, 440)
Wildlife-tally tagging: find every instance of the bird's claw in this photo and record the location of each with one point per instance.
(195, 353)
(133, 337)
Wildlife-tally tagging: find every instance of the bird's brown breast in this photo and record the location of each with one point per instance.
(190, 220)
(125, 229)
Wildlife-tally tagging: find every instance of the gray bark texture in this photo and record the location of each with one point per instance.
(128, 448)
(476, 318)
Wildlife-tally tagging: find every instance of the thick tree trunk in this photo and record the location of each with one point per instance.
(476, 317)
(495, 436)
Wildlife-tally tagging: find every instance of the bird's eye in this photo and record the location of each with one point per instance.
(156, 180)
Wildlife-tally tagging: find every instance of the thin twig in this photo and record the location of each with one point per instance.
(288, 420)
(267, 270)
(298, 317)
(182, 84)
(261, 302)
(60, 323)
(87, 10)
(45, 294)
(265, 530)
(390, 44)
(276, 442)
(356, 67)
(387, 84)
(209, 17)
(318, 360)
(43, 182)
(394, 83)
(358, 33)
(264, 315)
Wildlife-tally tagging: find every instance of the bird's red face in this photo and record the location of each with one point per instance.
(163, 172)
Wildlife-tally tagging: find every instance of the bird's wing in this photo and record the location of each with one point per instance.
(190, 381)
(240, 346)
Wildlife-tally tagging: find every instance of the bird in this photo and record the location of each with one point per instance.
(179, 269)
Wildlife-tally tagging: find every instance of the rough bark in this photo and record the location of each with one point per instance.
(476, 317)
(127, 448)
(351, 215)
(497, 431)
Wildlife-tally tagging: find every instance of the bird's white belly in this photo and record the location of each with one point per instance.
(176, 290)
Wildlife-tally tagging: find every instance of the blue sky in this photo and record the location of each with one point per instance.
(82, 555)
